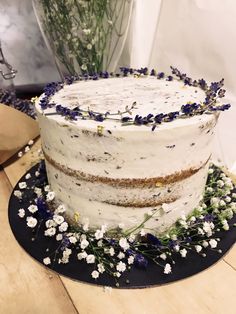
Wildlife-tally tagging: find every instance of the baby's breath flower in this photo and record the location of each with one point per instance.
(31, 221)
(228, 183)
(183, 224)
(163, 256)
(183, 252)
(199, 209)
(33, 209)
(228, 199)
(90, 259)
(121, 267)
(209, 189)
(174, 237)
(95, 274)
(59, 237)
(87, 31)
(18, 193)
(37, 174)
(83, 237)
(112, 251)
(63, 227)
(50, 223)
(72, 239)
(27, 148)
(100, 243)
(22, 185)
(222, 203)
(50, 196)
(21, 213)
(47, 261)
(28, 176)
(207, 228)
(176, 248)
(38, 191)
(101, 268)
(50, 232)
(84, 243)
(60, 209)
(67, 252)
(47, 188)
(213, 243)
(225, 225)
(142, 232)
(121, 255)
(58, 219)
(131, 260)
(198, 248)
(200, 231)
(124, 244)
(210, 171)
(84, 67)
(121, 225)
(86, 227)
(167, 269)
(131, 238)
(220, 183)
(20, 154)
(205, 244)
(214, 202)
(98, 234)
(82, 255)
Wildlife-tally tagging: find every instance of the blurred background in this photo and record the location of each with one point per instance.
(197, 36)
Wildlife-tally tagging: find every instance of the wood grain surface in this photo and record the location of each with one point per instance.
(26, 287)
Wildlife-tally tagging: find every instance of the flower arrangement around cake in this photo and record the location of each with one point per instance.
(118, 250)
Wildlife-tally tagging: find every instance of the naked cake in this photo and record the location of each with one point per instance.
(119, 148)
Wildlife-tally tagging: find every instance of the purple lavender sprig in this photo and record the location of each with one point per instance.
(213, 92)
(24, 105)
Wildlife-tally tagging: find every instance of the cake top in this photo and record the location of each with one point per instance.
(137, 98)
(115, 94)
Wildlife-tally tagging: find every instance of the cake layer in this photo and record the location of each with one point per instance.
(102, 203)
(128, 154)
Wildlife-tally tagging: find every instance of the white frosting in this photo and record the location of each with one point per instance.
(127, 152)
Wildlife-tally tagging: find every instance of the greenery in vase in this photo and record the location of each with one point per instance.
(84, 34)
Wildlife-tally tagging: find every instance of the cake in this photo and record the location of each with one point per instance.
(120, 149)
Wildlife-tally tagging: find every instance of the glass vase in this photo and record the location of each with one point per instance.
(85, 36)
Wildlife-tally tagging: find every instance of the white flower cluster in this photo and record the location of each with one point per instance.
(27, 148)
(95, 247)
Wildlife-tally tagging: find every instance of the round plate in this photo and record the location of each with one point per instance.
(38, 246)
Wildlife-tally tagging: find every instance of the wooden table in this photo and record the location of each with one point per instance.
(26, 287)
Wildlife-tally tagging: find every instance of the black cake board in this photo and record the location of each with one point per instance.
(38, 246)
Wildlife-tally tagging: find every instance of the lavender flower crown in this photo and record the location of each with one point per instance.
(213, 92)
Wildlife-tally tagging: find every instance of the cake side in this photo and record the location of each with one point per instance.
(107, 172)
